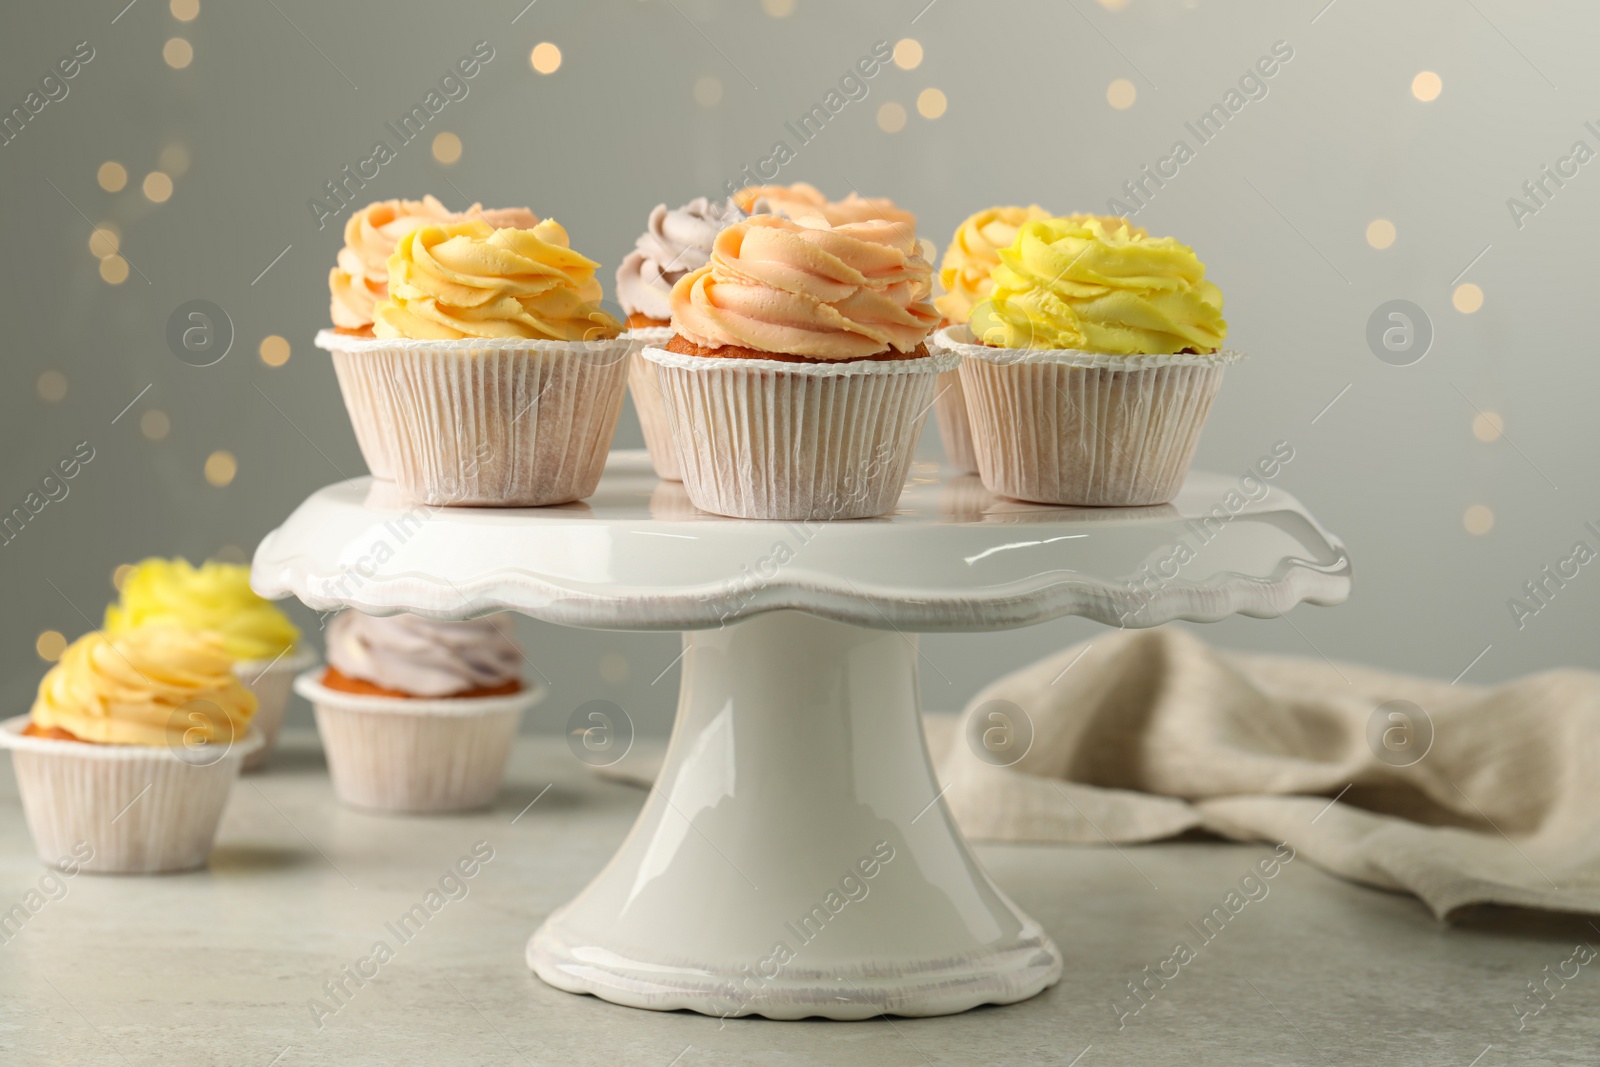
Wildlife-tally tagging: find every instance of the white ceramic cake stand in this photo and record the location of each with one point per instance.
(792, 859)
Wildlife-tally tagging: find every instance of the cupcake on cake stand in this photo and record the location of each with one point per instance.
(794, 858)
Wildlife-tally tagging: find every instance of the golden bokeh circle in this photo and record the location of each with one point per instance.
(1427, 86)
(178, 53)
(221, 468)
(112, 176)
(545, 57)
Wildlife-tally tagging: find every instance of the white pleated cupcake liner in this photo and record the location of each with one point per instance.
(955, 428)
(950, 415)
(270, 680)
(497, 423)
(765, 439)
(363, 387)
(415, 756)
(1086, 429)
(652, 409)
(139, 809)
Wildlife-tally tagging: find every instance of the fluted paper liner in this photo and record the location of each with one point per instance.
(141, 809)
(950, 415)
(395, 754)
(764, 439)
(365, 393)
(269, 680)
(498, 422)
(652, 409)
(1064, 427)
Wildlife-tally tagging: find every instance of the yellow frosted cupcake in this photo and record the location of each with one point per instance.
(965, 272)
(497, 374)
(216, 598)
(131, 748)
(360, 279)
(1091, 365)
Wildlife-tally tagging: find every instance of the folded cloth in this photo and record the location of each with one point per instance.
(1459, 794)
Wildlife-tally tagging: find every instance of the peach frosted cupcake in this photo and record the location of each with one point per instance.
(675, 242)
(131, 748)
(797, 381)
(964, 274)
(497, 375)
(803, 199)
(1091, 367)
(418, 715)
(360, 279)
(216, 598)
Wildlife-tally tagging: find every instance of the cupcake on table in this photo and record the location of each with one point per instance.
(675, 242)
(131, 748)
(360, 280)
(797, 381)
(494, 373)
(418, 715)
(965, 275)
(216, 598)
(1091, 367)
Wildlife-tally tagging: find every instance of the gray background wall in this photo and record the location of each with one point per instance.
(279, 96)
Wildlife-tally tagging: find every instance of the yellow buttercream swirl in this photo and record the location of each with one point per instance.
(152, 685)
(973, 255)
(215, 597)
(1098, 284)
(468, 279)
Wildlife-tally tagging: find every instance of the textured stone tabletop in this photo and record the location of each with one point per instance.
(234, 965)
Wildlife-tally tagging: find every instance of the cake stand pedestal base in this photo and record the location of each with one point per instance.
(792, 859)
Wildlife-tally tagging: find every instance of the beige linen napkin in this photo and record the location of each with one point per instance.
(1140, 735)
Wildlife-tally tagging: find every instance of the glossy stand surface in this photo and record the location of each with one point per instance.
(792, 859)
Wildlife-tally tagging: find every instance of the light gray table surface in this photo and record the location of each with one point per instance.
(221, 966)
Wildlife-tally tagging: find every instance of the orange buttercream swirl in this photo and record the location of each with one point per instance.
(802, 199)
(808, 289)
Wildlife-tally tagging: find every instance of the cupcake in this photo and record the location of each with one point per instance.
(131, 748)
(417, 715)
(674, 243)
(495, 374)
(797, 382)
(1091, 367)
(802, 199)
(973, 254)
(360, 279)
(216, 598)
